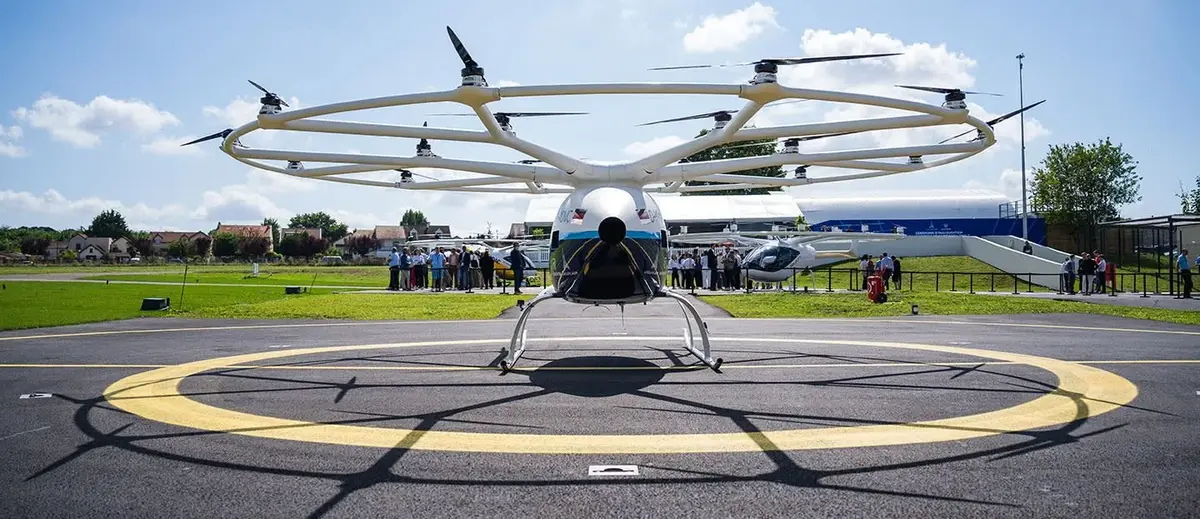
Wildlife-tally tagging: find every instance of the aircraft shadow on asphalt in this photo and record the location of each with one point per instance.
(632, 381)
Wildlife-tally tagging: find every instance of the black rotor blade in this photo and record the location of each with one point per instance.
(222, 134)
(822, 59)
(460, 114)
(997, 120)
(467, 60)
(1012, 113)
(691, 117)
(528, 161)
(537, 114)
(269, 94)
(785, 61)
(941, 90)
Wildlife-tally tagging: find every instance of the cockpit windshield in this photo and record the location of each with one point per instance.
(771, 258)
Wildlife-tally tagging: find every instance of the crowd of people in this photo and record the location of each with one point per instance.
(1091, 270)
(439, 270)
(888, 269)
(715, 269)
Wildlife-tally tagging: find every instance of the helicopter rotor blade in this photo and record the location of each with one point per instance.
(691, 117)
(222, 134)
(461, 49)
(942, 90)
(997, 120)
(784, 61)
(268, 93)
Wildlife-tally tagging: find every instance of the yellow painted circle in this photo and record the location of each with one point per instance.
(1082, 392)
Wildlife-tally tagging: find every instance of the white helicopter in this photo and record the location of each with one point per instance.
(782, 254)
(608, 241)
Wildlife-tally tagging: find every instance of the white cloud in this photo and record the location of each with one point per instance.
(1009, 183)
(81, 125)
(728, 32)
(628, 13)
(270, 182)
(172, 146)
(8, 142)
(51, 202)
(652, 146)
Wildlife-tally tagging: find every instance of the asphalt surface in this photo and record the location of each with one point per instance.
(75, 454)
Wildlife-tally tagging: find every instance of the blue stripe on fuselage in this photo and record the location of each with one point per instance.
(585, 235)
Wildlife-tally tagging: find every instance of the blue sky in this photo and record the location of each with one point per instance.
(96, 95)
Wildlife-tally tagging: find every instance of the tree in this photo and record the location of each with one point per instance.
(1189, 200)
(181, 248)
(1079, 185)
(274, 230)
(141, 243)
(362, 244)
(330, 228)
(801, 223)
(253, 246)
(35, 245)
(224, 244)
(203, 245)
(108, 224)
(414, 218)
(729, 151)
(302, 245)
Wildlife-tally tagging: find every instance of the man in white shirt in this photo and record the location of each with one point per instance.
(1101, 265)
(1068, 275)
(394, 268)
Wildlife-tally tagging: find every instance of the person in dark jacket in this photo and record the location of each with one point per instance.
(488, 269)
(896, 271)
(517, 261)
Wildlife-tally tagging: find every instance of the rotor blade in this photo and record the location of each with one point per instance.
(461, 49)
(1012, 113)
(822, 59)
(941, 90)
(538, 114)
(997, 120)
(690, 117)
(452, 114)
(221, 134)
(265, 91)
(681, 67)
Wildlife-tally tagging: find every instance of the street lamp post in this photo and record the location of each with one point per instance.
(1024, 197)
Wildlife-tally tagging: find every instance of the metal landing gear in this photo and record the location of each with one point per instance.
(516, 346)
(690, 313)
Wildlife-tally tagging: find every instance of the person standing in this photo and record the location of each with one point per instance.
(673, 264)
(394, 270)
(885, 270)
(405, 266)
(710, 256)
(464, 270)
(896, 271)
(1101, 268)
(1068, 275)
(517, 262)
(1185, 273)
(487, 269)
(437, 261)
(705, 271)
(452, 270)
(1087, 274)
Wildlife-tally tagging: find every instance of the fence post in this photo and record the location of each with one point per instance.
(1016, 283)
(829, 280)
(993, 276)
(971, 281)
(937, 281)
(953, 282)
(1029, 281)
(1144, 289)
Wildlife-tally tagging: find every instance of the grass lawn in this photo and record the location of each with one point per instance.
(967, 270)
(341, 276)
(942, 303)
(37, 304)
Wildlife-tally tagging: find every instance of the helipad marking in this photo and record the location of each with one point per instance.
(1083, 392)
(856, 321)
(349, 367)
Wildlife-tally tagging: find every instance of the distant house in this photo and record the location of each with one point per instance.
(91, 252)
(248, 231)
(429, 232)
(315, 233)
(163, 239)
(388, 236)
(343, 244)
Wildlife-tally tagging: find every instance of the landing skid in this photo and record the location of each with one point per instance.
(517, 344)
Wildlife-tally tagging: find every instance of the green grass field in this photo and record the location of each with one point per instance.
(38, 304)
(966, 271)
(929, 303)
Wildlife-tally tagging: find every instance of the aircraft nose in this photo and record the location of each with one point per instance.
(612, 230)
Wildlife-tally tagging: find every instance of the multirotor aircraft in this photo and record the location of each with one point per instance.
(785, 253)
(609, 237)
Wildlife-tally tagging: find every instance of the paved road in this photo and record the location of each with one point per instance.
(78, 454)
